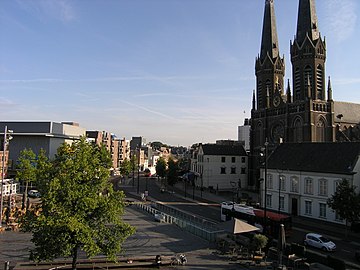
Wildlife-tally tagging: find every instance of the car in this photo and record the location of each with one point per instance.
(33, 193)
(318, 241)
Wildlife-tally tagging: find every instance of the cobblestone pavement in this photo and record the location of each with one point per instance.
(151, 238)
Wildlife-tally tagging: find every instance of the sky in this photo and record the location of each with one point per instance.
(175, 71)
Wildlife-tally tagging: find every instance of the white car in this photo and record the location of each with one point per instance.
(33, 193)
(319, 241)
(159, 216)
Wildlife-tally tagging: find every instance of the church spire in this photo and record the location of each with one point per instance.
(307, 22)
(269, 40)
(329, 90)
(288, 92)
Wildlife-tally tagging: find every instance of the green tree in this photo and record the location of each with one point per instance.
(26, 171)
(125, 167)
(346, 202)
(259, 241)
(172, 172)
(80, 209)
(161, 167)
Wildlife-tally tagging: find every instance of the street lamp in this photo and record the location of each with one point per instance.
(265, 153)
(138, 171)
(7, 138)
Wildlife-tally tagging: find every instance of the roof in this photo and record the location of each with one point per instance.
(337, 158)
(223, 150)
(350, 112)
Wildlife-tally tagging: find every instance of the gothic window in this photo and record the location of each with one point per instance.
(298, 130)
(319, 82)
(268, 87)
(259, 134)
(307, 77)
(320, 130)
(297, 84)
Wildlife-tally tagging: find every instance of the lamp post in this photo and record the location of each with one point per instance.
(138, 172)
(7, 138)
(265, 180)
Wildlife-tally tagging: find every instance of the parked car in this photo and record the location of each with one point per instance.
(33, 193)
(319, 241)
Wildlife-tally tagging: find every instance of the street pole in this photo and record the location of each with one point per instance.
(3, 175)
(279, 193)
(138, 174)
(265, 184)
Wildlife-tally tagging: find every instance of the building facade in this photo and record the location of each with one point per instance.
(302, 176)
(220, 167)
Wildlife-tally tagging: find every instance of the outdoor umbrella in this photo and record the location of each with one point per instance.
(281, 243)
(235, 226)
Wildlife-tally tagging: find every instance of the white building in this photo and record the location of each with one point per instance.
(244, 134)
(302, 176)
(220, 166)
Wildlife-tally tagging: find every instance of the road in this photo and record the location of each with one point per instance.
(210, 211)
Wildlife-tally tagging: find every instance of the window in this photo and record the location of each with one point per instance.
(294, 184)
(243, 159)
(282, 182)
(308, 208)
(269, 181)
(308, 186)
(323, 187)
(233, 159)
(223, 159)
(223, 170)
(338, 217)
(243, 170)
(233, 170)
(282, 202)
(322, 210)
(268, 200)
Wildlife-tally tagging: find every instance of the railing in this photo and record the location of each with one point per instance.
(195, 225)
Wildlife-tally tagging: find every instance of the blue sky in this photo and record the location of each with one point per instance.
(177, 71)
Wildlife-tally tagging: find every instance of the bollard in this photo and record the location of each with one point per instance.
(7, 265)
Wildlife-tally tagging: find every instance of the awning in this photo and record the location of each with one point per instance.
(235, 226)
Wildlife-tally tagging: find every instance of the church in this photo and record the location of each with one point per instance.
(301, 112)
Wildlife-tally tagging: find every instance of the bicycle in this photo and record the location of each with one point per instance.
(178, 260)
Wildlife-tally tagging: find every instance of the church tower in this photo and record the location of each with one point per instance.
(269, 66)
(304, 114)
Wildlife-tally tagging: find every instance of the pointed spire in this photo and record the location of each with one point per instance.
(329, 90)
(253, 101)
(288, 92)
(269, 40)
(307, 23)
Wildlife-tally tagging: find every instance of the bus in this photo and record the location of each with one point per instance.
(256, 217)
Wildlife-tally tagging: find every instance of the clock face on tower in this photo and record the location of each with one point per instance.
(276, 101)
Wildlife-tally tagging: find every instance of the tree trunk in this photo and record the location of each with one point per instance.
(74, 260)
(24, 199)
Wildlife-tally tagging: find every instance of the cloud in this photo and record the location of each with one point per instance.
(341, 18)
(60, 10)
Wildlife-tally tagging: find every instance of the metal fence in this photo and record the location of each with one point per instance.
(195, 225)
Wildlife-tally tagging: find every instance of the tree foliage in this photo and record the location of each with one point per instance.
(259, 241)
(172, 172)
(125, 167)
(345, 201)
(80, 209)
(161, 167)
(26, 171)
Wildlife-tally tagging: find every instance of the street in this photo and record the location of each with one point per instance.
(211, 211)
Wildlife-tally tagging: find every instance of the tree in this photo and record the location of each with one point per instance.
(346, 202)
(26, 171)
(161, 167)
(125, 167)
(79, 209)
(259, 241)
(172, 172)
